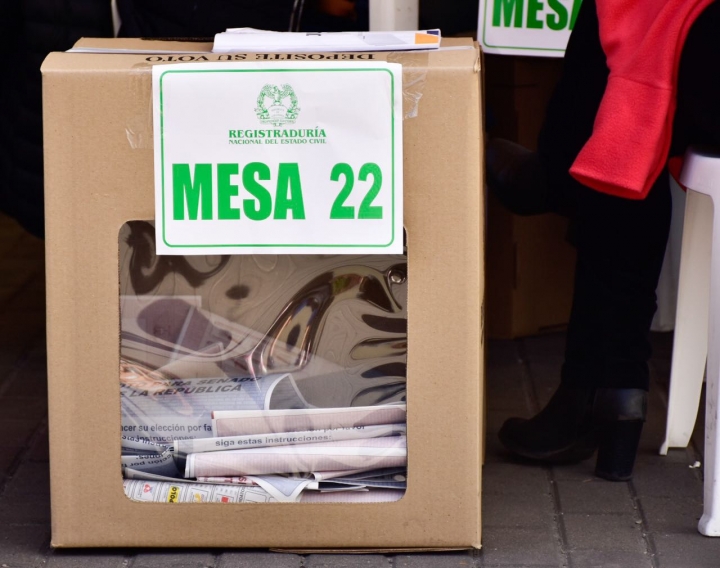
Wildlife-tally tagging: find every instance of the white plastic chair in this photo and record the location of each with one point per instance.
(697, 332)
(389, 15)
(691, 321)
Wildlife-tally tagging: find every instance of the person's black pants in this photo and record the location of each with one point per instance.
(620, 242)
(620, 248)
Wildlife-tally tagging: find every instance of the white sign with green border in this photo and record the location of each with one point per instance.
(271, 158)
(526, 27)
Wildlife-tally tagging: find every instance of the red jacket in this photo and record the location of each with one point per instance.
(631, 136)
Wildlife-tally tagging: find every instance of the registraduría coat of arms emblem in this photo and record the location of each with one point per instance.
(277, 105)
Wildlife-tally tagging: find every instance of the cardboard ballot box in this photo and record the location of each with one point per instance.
(104, 310)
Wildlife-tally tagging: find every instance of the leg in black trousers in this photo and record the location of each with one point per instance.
(620, 248)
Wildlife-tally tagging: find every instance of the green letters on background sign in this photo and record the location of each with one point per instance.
(509, 13)
(508, 8)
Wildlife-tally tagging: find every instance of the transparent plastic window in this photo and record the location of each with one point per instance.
(261, 378)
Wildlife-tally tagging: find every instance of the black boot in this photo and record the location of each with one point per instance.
(619, 415)
(516, 177)
(577, 421)
(562, 432)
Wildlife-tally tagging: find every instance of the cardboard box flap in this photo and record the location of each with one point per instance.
(106, 55)
(138, 45)
(454, 53)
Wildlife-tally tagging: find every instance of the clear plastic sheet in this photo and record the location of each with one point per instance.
(287, 372)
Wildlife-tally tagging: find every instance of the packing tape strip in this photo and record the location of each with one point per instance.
(139, 127)
(415, 67)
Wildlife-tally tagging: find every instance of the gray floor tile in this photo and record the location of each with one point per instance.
(604, 532)
(8, 457)
(172, 559)
(505, 387)
(39, 451)
(31, 478)
(517, 509)
(666, 479)
(20, 334)
(521, 546)
(502, 353)
(544, 388)
(30, 408)
(516, 478)
(86, 559)
(685, 456)
(610, 559)
(583, 471)
(30, 382)
(255, 559)
(23, 546)
(549, 347)
(559, 565)
(594, 496)
(494, 452)
(16, 433)
(435, 560)
(691, 550)
(672, 514)
(347, 561)
(24, 509)
(494, 420)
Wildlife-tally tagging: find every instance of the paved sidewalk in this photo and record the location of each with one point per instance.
(534, 516)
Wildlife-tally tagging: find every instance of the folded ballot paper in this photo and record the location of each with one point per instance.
(248, 39)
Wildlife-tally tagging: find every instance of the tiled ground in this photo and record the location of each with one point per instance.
(534, 516)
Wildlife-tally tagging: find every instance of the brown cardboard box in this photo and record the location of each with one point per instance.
(530, 264)
(99, 175)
